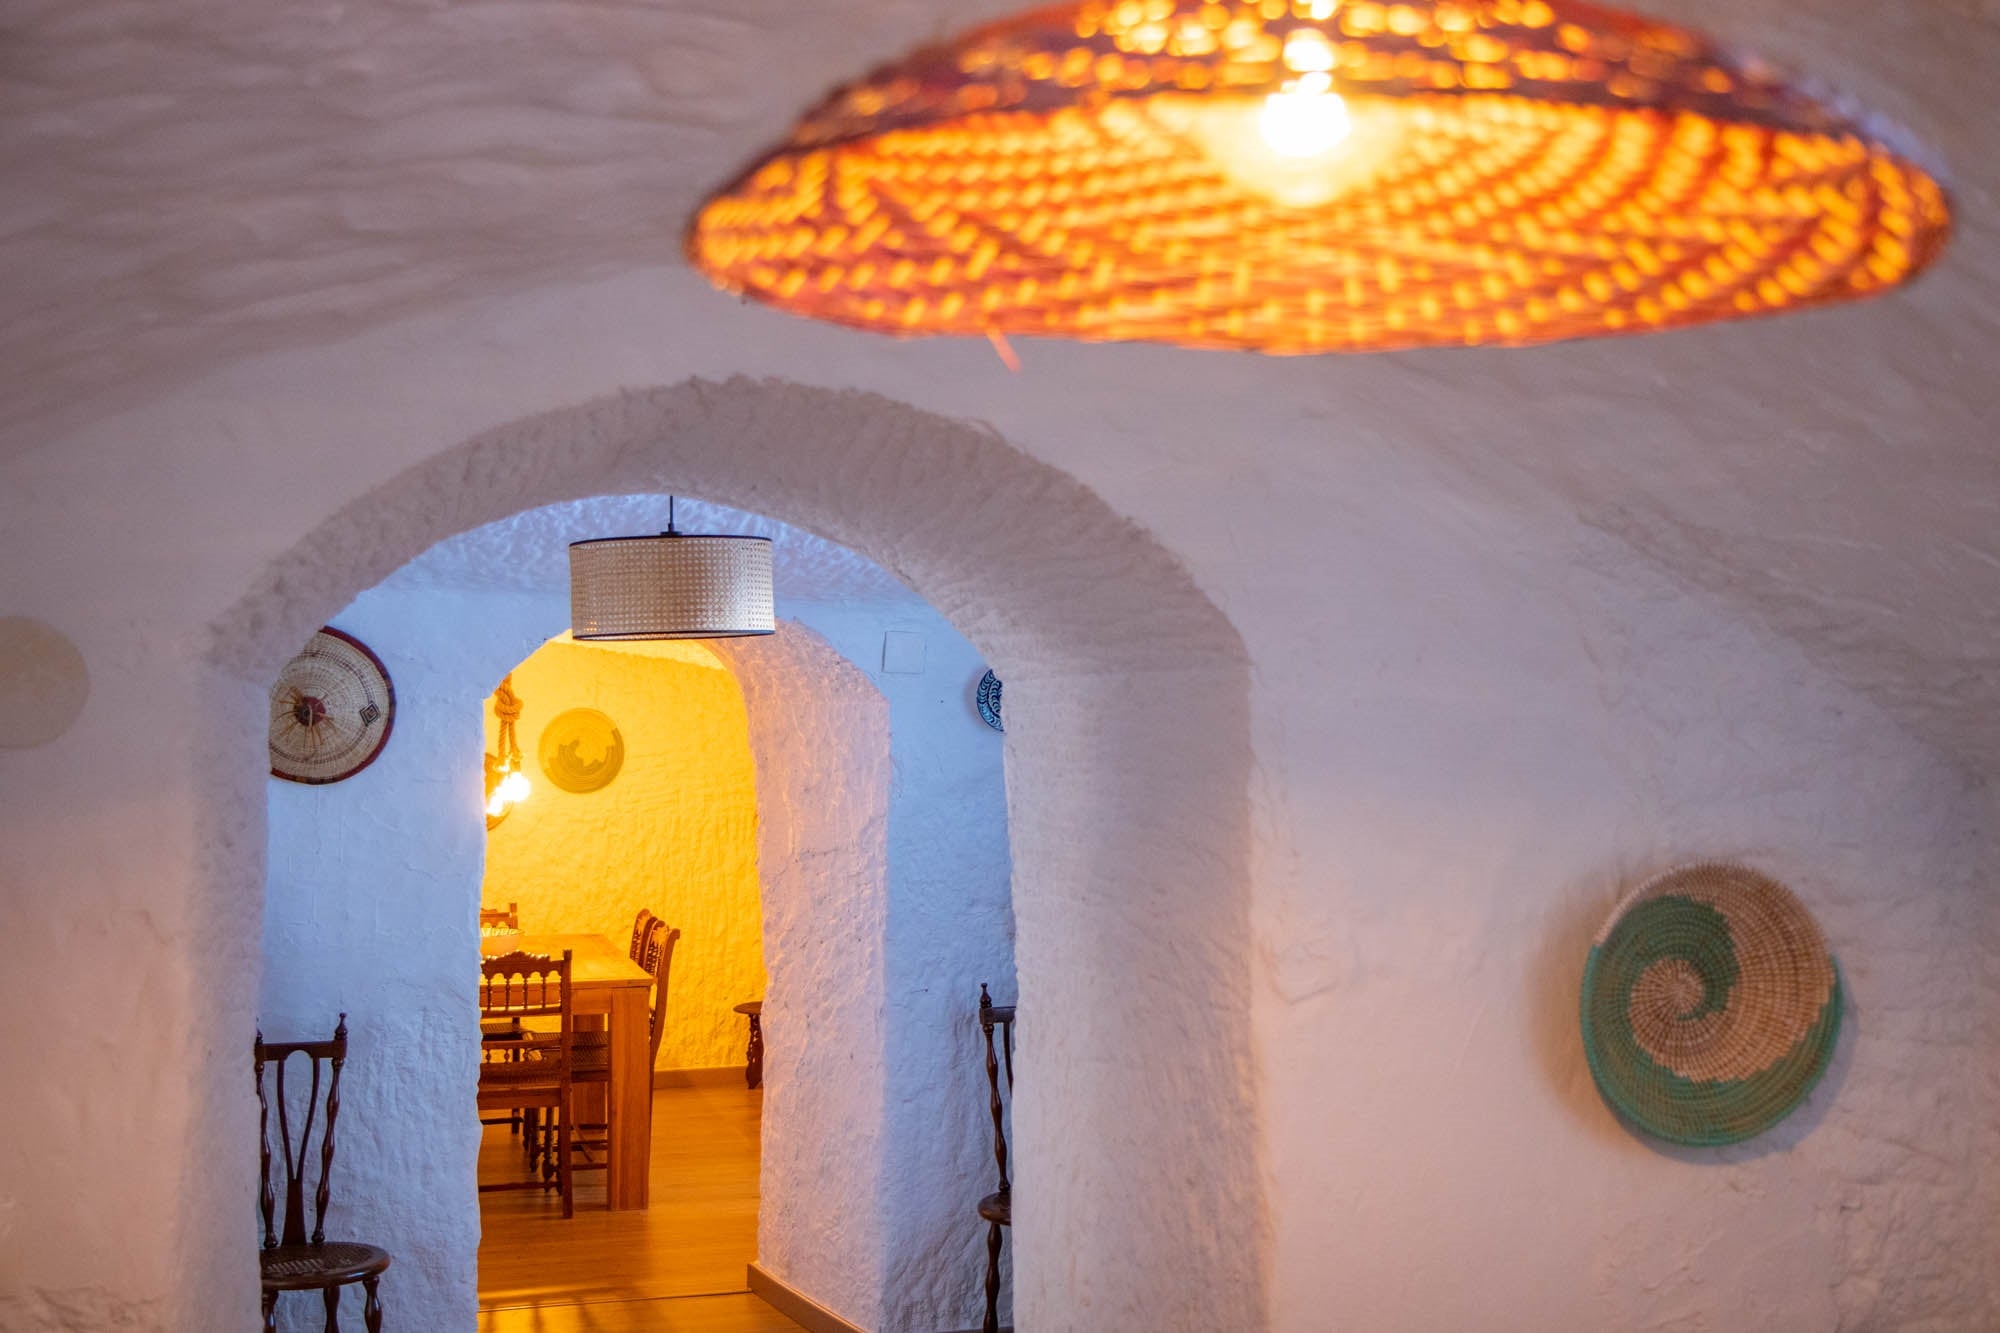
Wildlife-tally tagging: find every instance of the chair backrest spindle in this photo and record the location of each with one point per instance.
(659, 961)
(993, 1015)
(293, 1150)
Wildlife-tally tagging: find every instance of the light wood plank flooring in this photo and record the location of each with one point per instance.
(677, 1266)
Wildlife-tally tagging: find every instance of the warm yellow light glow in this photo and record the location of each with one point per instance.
(1306, 120)
(506, 785)
(675, 832)
(1320, 175)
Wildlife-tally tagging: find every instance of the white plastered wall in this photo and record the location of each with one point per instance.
(1471, 726)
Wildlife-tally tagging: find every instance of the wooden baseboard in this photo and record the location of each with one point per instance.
(796, 1306)
(721, 1076)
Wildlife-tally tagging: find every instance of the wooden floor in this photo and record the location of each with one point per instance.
(677, 1266)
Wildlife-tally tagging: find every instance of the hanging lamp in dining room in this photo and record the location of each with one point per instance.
(675, 585)
(1299, 176)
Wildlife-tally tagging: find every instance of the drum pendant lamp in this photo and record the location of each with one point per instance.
(1299, 176)
(674, 585)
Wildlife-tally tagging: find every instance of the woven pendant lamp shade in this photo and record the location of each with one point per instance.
(673, 586)
(1303, 176)
(1710, 1005)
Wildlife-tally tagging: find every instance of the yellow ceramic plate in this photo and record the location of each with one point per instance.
(581, 750)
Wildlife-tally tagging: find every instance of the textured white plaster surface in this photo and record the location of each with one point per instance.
(1441, 1157)
(948, 926)
(824, 859)
(1446, 795)
(370, 910)
(192, 186)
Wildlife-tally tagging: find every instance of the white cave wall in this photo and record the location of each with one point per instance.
(1440, 1155)
(949, 927)
(1473, 724)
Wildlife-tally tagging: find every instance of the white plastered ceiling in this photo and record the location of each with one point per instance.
(192, 184)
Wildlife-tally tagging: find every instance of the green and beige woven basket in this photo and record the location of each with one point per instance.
(1710, 1005)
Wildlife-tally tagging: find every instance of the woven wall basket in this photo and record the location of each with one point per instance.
(332, 709)
(1710, 1005)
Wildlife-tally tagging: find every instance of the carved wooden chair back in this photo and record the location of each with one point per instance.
(643, 926)
(331, 1054)
(530, 1067)
(659, 961)
(528, 985)
(500, 918)
(289, 1259)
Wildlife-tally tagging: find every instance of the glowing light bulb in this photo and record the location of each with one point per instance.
(1307, 119)
(496, 805)
(515, 786)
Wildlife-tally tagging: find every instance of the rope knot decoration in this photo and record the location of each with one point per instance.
(506, 784)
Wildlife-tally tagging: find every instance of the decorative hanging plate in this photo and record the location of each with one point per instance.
(989, 700)
(1710, 1005)
(331, 710)
(581, 750)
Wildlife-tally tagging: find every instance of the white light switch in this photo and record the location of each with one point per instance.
(902, 653)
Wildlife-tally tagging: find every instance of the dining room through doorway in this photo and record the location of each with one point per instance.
(885, 899)
(640, 797)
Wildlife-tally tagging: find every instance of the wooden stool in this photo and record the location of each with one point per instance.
(753, 1056)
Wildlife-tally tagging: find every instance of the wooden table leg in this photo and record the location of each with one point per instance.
(593, 1101)
(631, 1098)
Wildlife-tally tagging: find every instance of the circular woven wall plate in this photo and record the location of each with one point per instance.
(581, 750)
(1710, 1005)
(332, 709)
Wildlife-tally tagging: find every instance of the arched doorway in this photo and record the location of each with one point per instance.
(1140, 1202)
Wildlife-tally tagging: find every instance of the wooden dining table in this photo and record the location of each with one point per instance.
(604, 981)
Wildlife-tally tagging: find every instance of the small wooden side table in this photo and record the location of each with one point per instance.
(753, 1056)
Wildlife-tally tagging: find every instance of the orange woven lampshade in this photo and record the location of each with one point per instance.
(1318, 175)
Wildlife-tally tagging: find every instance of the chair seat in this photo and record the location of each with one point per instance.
(528, 1067)
(997, 1208)
(310, 1267)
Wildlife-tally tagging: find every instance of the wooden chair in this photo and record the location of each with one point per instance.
(534, 1069)
(593, 1052)
(997, 1208)
(643, 926)
(593, 1068)
(498, 920)
(289, 1260)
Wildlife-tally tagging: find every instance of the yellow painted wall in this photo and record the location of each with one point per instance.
(675, 831)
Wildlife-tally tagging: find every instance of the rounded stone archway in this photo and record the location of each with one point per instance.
(1139, 1200)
